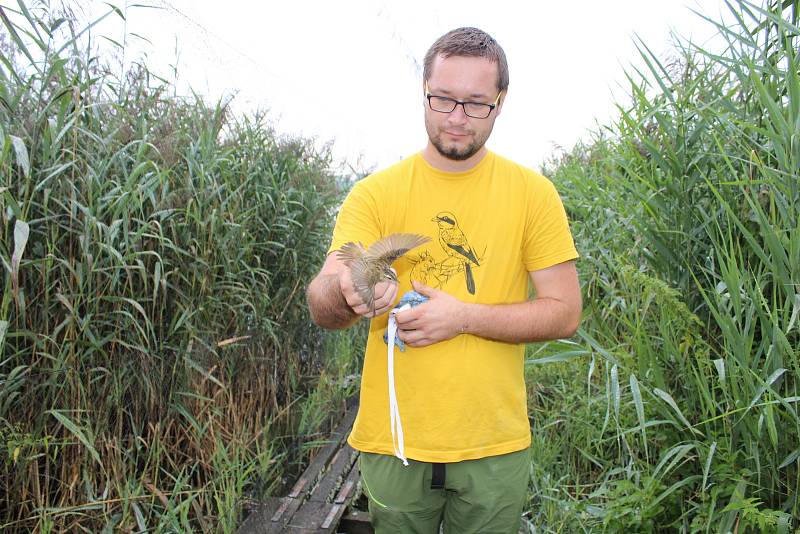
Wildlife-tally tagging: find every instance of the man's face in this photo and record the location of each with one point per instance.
(468, 79)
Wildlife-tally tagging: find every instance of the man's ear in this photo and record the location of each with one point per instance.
(502, 102)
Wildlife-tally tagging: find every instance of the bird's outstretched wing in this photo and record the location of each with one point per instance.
(351, 252)
(363, 279)
(391, 247)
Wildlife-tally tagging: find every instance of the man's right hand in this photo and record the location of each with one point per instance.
(384, 295)
(334, 302)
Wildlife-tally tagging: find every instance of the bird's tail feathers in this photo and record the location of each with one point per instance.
(470, 279)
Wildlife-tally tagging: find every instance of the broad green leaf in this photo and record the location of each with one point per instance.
(140, 520)
(719, 363)
(3, 330)
(156, 280)
(637, 401)
(116, 10)
(76, 431)
(772, 429)
(596, 346)
(707, 466)
(726, 525)
(21, 233)
(615, 392)
(795, 312)
(790, 459)
(202, 370)
(559, 357)
(784, 522)
(674, 487)
(772, 378)
(674, 455)
(666, 397)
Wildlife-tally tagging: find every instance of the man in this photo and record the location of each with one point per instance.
(494, 225)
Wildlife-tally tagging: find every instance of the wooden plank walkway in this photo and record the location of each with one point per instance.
(320, 499)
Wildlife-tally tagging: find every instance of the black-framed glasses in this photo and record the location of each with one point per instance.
(445, 104)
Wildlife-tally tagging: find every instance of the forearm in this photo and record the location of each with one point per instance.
(554, 314)
(540, 319)
(327, 305)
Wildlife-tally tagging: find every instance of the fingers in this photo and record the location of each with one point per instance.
(422, 289)
(438, 319)
(407, 318)
(382, 303)
(415, 338)
(384, 294)
(347, 289)
(367, 309)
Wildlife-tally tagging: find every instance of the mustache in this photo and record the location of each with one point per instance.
(456, 131)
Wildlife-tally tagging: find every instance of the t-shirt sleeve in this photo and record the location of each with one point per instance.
(548, 240)
(358, 219)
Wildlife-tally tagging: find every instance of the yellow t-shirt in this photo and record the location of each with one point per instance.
(463, 398)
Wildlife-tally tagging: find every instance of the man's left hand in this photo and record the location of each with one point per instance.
(440, 318)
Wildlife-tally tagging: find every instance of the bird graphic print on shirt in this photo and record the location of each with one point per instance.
(459, 256)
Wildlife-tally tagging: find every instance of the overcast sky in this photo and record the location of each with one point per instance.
(349, 71)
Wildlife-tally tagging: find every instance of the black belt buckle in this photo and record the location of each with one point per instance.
(437, 478)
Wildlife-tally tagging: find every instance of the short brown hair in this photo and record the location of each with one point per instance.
(468, 42)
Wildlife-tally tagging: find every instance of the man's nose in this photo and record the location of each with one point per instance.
(458, 115)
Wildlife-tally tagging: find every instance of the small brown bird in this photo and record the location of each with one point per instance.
(370, 266)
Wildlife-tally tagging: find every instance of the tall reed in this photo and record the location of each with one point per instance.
(687, 215)
(153, 332)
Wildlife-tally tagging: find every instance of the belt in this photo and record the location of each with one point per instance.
(437, 477)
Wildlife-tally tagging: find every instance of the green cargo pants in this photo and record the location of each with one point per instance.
(483, 496)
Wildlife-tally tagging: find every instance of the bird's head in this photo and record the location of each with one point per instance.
(445, 219)
(389, 274)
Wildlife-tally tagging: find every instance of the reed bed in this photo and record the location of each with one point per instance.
(675, 408)
(158, 365)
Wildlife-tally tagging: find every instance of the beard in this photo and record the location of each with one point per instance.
(453, 151)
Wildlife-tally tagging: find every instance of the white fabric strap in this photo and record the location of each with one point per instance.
(394, 411)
